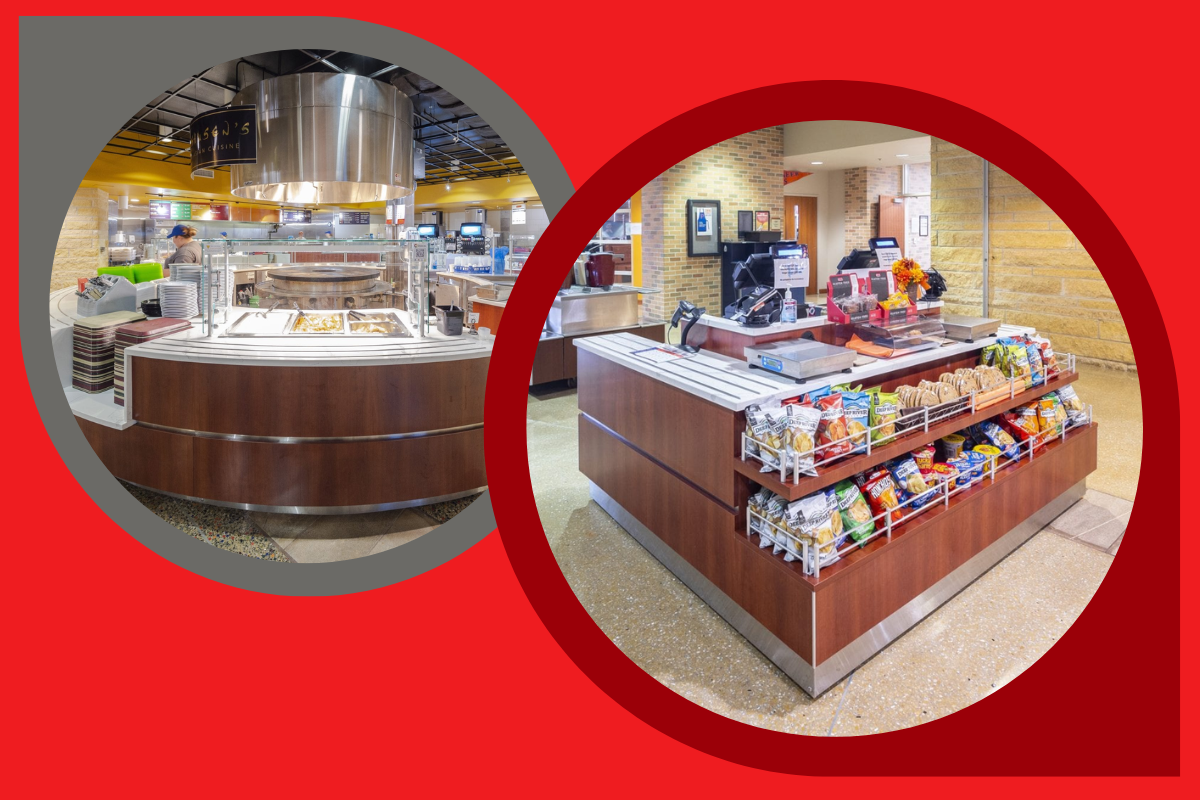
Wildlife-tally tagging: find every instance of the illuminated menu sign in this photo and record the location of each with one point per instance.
(295, 216)
(219, 211)
(165, 209)
(355, 218)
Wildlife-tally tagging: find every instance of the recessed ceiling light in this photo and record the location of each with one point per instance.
(816, 163)
(156, 152)
(901, 155)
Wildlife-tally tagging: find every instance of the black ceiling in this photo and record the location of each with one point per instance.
(459, 144)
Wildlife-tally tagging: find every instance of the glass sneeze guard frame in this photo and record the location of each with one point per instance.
(410, 257)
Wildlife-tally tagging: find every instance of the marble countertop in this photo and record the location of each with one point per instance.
(731, 384)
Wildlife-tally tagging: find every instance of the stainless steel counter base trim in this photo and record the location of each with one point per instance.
(319, 510)
(238, 437)
(816, 682)
(864, 647)
(768, 643)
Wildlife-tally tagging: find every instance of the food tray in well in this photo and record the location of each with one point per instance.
(260, 324)
(313, 323)
(378, 323)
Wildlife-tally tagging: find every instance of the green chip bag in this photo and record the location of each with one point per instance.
(885, 410)
(856, 514)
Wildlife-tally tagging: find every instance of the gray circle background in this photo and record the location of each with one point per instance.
(69, 70)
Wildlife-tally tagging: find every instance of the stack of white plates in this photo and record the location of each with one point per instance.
(179, 299)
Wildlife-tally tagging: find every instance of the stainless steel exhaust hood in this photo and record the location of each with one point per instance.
(327, 138)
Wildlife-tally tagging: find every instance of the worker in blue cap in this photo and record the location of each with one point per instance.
(186, 251)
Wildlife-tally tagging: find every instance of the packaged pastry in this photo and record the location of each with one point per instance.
(880, 491)
(800, 437)
(924, 457)
(885, 410)
(1000, 438)
(908, 477)
(946, 473)
(951, 446)
(856, 514)
(832, 432)
(856, 406)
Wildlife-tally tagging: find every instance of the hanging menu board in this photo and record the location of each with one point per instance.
(355, 218)
(218, 211)
(295, 216)
(165, 209)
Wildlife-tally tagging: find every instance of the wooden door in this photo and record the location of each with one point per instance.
(800, 225)
(892, 218)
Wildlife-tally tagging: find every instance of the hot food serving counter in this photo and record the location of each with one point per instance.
(823, 519)
(323, 412)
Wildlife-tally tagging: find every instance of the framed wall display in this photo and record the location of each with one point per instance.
(762, 220)
(704, 227)
(745, 222)
(924, 231)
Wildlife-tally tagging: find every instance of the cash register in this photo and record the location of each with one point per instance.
(757, 282)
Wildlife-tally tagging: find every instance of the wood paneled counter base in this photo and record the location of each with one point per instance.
(662, 467)
(302, 439)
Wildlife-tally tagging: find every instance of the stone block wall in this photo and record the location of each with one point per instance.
(746, 174)
(1040, 275)
(83, 241)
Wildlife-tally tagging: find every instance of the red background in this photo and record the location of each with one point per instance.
(128, 671)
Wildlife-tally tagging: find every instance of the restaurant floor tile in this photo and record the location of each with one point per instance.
(969, 648)
(297, 538)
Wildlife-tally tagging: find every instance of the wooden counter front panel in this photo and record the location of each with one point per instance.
(728, 343)
(854, 601)
(701, 532)
(309, 401)
(150, 458)
(694, 437)
(329, 474)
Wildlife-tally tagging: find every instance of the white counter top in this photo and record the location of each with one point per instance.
(731, 384)
(191, 345)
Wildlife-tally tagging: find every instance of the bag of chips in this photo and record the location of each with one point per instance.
(832, 433)
(776, 513)
(880, 491)
(817, 524)
(991, 356)
(909, 479)
(1036, 371)
(800, 425)
(1049, 362)
(1023, 423)
(1017, 361)
(758, 504)
(1000, 438)
(1072, 405)
(816, 394)
(857, 409)
(835, 518)
(856, 514)
(885, 411)
(1049, 422)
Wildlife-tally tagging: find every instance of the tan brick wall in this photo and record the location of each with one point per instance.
(1040, 274)
(746, 174)
(83, 240)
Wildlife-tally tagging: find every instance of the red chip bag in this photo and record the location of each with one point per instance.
(832, 429)
(880, 491)
(1023, 423)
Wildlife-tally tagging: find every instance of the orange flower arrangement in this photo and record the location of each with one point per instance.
(908, 271)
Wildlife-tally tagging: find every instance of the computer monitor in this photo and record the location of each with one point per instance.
(427, 231)
(470, 229)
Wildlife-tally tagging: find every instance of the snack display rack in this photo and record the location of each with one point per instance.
(667, 456)
(937, 496)
(919, 427)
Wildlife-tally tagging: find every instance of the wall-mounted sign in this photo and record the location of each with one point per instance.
(295, 216)
(165, 209)
(219, 211)
(354, 218)
(225, 136)
(518, 214)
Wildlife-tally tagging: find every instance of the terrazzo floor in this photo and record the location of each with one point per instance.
(970, 647)
(304, 539)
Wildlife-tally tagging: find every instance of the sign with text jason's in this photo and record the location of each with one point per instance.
(225, 136)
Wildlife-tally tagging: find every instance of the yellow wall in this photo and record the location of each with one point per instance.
(635, 216)
(142, 177)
